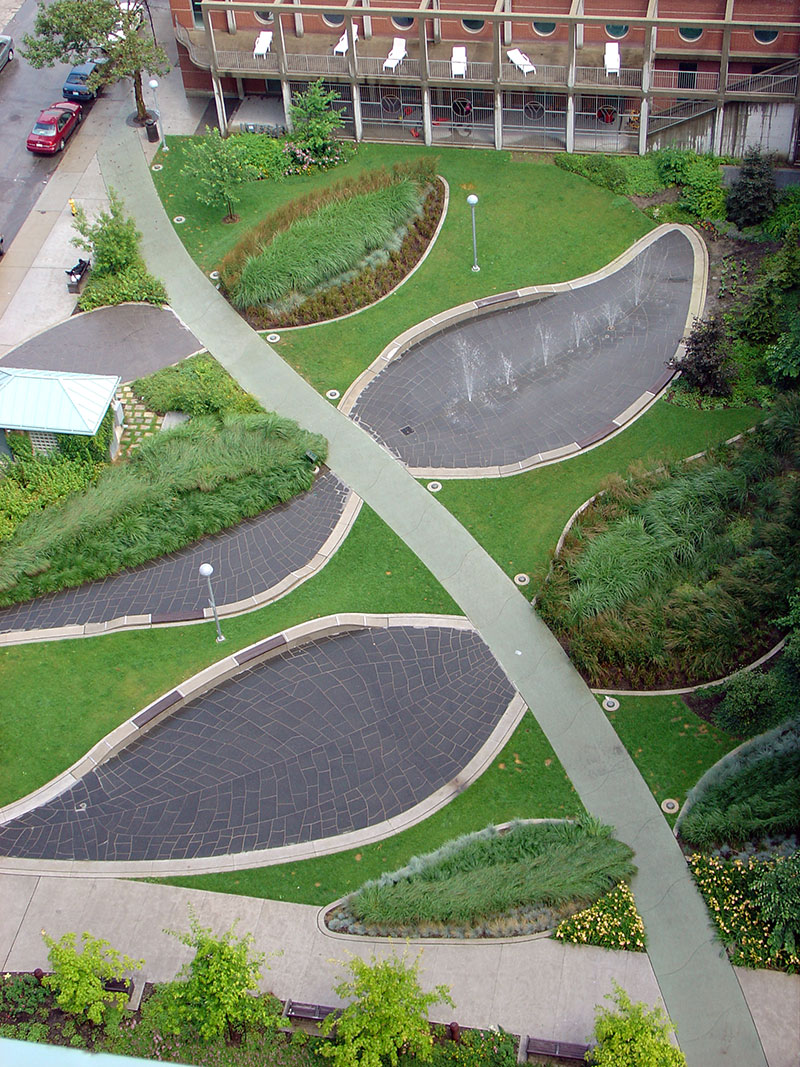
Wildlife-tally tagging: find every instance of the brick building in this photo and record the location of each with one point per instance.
(582, 75)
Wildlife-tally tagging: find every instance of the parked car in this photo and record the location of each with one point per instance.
(54, 126)
(75, 87)
(6, 49)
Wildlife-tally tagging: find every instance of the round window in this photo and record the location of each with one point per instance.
(765, 36)
(616, 30)
(690, 33)
(544, 29)
(330, 18)
(473, 25)
(267, 17)
(401, 22)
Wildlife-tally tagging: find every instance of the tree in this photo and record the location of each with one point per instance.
(633, 1035)
(389, 1014)
(74, 31)
(219, 167)
(217, 990)
(78, 977)
(703, 364)
(753, 195)
(314, 121)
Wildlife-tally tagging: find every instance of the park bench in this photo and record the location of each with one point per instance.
(314, 1013)
(565, 1050)
(76, 274)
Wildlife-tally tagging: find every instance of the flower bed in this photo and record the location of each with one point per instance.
(611, 922)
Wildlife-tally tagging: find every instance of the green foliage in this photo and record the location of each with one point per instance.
(704, 362)
(20, 444)
(197, 479)
(218, 168)
(85, 449)
(755, 701)
(777, 894)
(133, 285)
(25, 1031)
(387, 1014)
(112, 239)
(611, 922)
(633, 1035)
(315, 120)
(31, 485)
(78, 976)
(198, 385)
(217, 991)
(785, 215)
(673, 164)
(263, 153)
(642, 175)
(487, 874)
(324, 245)
(703, 192)
(753, 195)
(474, 1048)
(21, 994)
(606, 171)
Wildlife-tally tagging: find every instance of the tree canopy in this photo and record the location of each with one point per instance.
(75, 31)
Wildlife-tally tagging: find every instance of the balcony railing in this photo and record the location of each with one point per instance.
(762, 84)
(246, 62)
(705, 81)
(630, 77)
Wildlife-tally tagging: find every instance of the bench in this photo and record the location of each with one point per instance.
(311, 1012)
(76, 274)
(565, 1050)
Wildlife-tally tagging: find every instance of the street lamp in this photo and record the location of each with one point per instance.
(153, 83)
(206, 570)
(472, 200)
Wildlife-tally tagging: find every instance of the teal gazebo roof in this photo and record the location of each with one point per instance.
(54, 401)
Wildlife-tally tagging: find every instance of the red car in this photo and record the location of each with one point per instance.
(54, 126)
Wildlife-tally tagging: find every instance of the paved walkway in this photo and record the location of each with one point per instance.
(696, 981)
(511, 384)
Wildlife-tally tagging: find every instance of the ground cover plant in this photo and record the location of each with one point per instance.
(611, 922)
(532, 871)
(197, 386)
(176, 487)
(678, 574)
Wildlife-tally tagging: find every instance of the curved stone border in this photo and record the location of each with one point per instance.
(240, 607)
(477, 308)
(209, 678)
(401, 283)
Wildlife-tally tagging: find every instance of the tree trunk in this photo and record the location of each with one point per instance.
(141, 110)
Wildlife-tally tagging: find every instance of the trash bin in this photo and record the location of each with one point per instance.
(151, 125)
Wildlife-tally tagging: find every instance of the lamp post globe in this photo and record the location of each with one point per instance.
(472, 200)
(206, 570)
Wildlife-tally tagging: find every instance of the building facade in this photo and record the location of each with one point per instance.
(573, 75)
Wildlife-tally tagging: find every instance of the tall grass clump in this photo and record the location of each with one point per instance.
(332, 241)
(486, 874)
(178, 486)
(198, 385)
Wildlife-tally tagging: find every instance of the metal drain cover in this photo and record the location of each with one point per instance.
(406, 430)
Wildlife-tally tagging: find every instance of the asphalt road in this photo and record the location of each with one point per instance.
(24, 91)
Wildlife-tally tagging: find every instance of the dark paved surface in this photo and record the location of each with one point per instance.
(514, 383)
(247, 559)
(336, 736)
(131, 340)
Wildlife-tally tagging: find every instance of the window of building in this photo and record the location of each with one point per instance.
(330, 18)
(616, 30)
(544, 29)
(473, 25)
(402, 22)
(765, 36)
(690, 33)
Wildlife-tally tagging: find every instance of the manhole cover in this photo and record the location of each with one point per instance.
(669, 806)
(406, 430)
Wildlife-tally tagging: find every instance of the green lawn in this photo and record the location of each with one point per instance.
(524, 781)
(69, 694)
(518, 520)
(536, 224)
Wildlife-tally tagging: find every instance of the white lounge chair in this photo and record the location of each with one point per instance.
(263, 43)
(458, 61)
(521, 61)
(342, 45)
(611, 59)
(397, 54)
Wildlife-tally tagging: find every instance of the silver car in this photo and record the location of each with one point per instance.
(6, 49)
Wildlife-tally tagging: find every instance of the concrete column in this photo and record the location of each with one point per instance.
(240, 88)
(570, 123)
(219, 100)
(507, 26)
(498, 118)
(298, 19)
(427, 126)
(279, 42)
(644, 112)
(356, 94)
(286, 94)
(231, 17)
(366, 20)
(719, 121)
(437, 24)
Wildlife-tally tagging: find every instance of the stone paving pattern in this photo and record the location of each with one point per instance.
(114, 340)
(248, 559)
(332, 737)
(513, 383)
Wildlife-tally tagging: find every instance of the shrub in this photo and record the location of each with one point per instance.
(388, 1013)
(611, 922)
(673, 163)
(31, 485)
(262, 153)
(133, 285)
(703, 193)
(783, 358)
(112, 239)
(78, 976)
(21, 994)
(218, 167)
(217, 991)
(642, 177)
(633, 1035)
(314, 122)
(606, 171)
(753, 195)
(748, 706)
(785, 215)
(198, 385)
(88, 449)
(777, 894)
(704, 362)
(473, 1048)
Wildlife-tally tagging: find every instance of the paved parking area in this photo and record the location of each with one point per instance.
(501, 388)
(335, 736)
